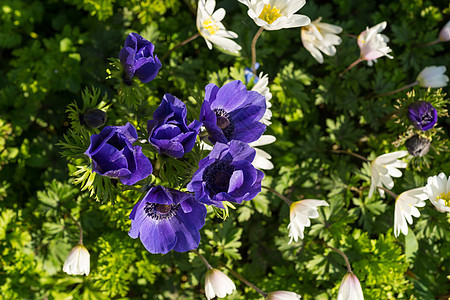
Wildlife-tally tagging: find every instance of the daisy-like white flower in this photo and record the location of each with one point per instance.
(77, 262)
(320, 36)
(444, 34)
(283, 295)
(405, 207)
(438, 191)
(300, 213)
(350, 288)
(218, 284)
(433, 77)
(210, 27)
(276, 14)
(262, 87)
(373, 44)
(383, 167)
(262, 158)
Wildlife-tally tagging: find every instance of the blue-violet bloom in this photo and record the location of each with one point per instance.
(169, 133)
(422, 115)
(232, 113)
(167, 219)
(113, 154)
(227, 174)
(248, 73)
(137, 59)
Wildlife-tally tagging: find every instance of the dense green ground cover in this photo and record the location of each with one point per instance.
(52, 53)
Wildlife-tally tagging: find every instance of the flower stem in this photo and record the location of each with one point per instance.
(79, 228)
(398, 90)
(288, 202)
(347, 262)
(247, 282)
(388, 191)
(255, 38)
(204, 259)
(351, 66)
(350, 153)
(430, 43)
(180, 44)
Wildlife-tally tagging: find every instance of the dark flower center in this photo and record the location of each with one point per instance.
(225, 123)
(427, 118)
(117, 142)
(161, 211)
(217, 177)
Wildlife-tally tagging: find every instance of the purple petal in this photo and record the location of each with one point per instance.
(157, 236)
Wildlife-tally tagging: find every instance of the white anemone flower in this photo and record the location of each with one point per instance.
(218, 284)
(350, 288)
(438, 191)
(210, 27)
(276, 14)
(262, 87)
(373, 44)
(320, 36)
(77, 262)
(433, 77)
(300, 213)
(383, 167)
(262, 158)
(282, 295)
(444, 34)
(405, 207)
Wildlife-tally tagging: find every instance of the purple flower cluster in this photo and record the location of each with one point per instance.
(169, 219)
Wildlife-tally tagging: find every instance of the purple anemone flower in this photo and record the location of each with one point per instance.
(137, 58)
(232, 113)
(113, 154)
(227, 174)
(167, 219)
(422, 115)
(169, 133)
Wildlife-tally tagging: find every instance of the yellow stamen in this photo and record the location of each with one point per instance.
(210, 25)
(269, 14)
(445, 197)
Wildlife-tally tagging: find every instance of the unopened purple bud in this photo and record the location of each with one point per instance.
(94, 117)
(422, 115)
(418, 146)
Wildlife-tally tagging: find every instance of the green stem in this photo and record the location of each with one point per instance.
(399, 90)
(180, 44)
(351, 66)
(204, 259)
(388, 191)
(247, 282)
(350, 153)
(347, 262)
(255, 38)
(79, 228)
(288, 202)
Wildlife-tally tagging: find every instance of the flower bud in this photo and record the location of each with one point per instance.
(444, 34)
(418, 146)
(77, 262)
(282, 295)
(350, 288)
(433, 76)
(94, 117)
(218, 284)
(422, 115)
